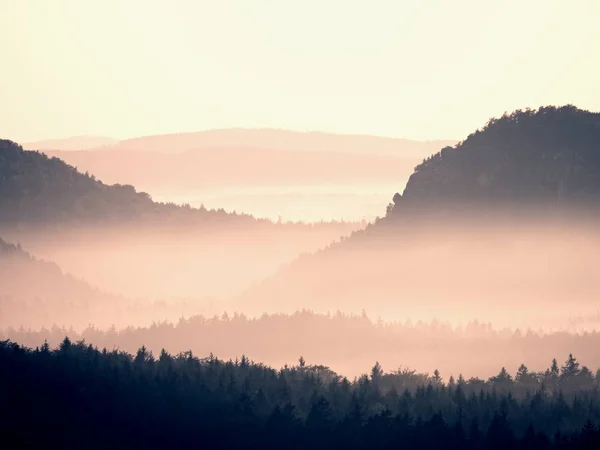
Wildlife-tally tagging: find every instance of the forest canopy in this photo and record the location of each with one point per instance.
(92, 398)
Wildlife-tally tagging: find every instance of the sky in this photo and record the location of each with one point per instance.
(420, 69)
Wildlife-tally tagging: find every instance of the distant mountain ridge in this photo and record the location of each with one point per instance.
(265, 138)
(225, 167)
(71, 143)
(252, 157)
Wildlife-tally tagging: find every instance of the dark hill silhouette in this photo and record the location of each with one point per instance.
(549, 155)
(503, 221)
(122, 241)
(34, 188)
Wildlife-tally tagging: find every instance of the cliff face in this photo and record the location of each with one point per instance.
(548, 155)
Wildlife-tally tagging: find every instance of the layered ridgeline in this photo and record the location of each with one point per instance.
(247, 157)
(35, 293)
(345, 343)
(122, 241)
(502, 222)
(37, 188)
(271, 173)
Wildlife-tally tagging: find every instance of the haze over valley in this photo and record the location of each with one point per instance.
(328, 225)
(507, 240)
(267, 173)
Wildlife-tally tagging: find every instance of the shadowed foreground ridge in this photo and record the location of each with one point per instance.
(86, 398)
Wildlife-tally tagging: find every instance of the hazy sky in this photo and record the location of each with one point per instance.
(419, 69)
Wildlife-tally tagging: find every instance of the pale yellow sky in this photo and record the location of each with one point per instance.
(418, 69)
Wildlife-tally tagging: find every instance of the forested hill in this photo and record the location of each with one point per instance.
(548, 155)
(30, 286)
(34, 187)
(36, 293)
(21, 273)
(477, 221)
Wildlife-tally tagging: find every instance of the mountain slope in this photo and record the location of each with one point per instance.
(550, 155)
(123, 242)
(452, 245)
(36, 188)
(35, 292)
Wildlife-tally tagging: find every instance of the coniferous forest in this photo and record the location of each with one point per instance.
(77, 396)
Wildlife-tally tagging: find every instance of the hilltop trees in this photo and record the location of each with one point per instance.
(36, 188)
(551, 154)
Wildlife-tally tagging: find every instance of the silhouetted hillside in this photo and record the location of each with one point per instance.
(504, 221)
(549, 155)
(122, 241)
(34, 187)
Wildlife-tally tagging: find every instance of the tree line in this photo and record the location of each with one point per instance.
(77, 396)
(345, 342)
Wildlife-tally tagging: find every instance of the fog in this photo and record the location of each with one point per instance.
(266, 173)
(540, 274)
(509, 272)
(152, 263)
(331, 201)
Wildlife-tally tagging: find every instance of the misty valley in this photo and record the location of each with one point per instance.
(325, 291)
